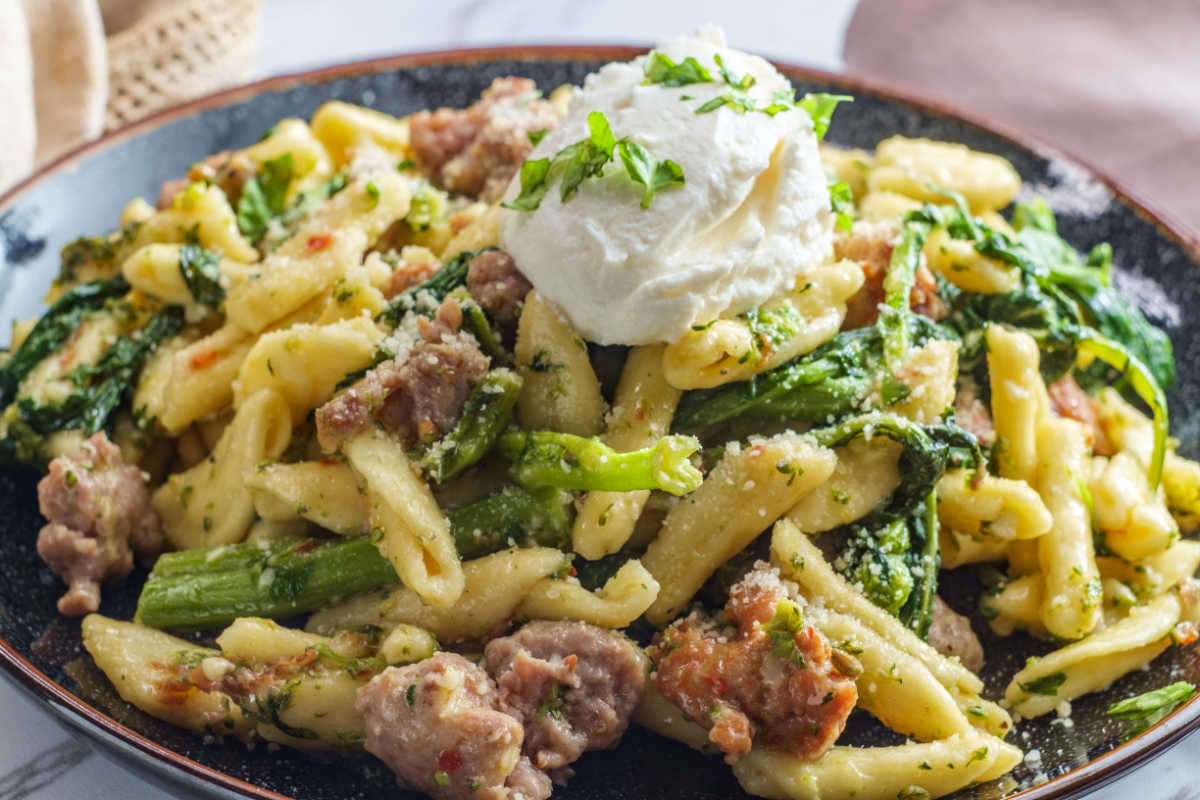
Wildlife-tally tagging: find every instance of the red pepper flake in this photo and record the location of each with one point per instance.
(717, 683)
(318, 242)
(306, 547)
(449, 761)
(756, 450)
(202, 360)
(328, 462)
(574, 572)
(641, 414)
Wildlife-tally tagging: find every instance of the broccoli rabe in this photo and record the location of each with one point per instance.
(452, 275)
(550, 458)
(484, 417)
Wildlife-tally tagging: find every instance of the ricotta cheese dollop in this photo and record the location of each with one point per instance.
(751, 216)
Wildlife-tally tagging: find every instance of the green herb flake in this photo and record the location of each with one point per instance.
(1045, 685)
(372, 193)
(841, 200)
(410, 696)
(781, 631)
(404, 165)
(536, 136)
(441, 778)
(534, 185)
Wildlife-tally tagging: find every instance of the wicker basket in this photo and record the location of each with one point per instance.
(179, 50)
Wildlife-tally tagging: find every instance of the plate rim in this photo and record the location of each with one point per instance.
(95, 723)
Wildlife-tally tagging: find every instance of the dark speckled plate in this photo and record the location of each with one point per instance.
(84, 193)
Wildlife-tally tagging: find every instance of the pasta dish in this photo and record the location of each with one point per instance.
(465, 439)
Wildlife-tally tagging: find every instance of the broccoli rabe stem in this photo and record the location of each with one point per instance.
(512, 516)
(1142, 381)
(484, 417)
(895, 314)
(550, 458)
(287, 578)
(208, 588)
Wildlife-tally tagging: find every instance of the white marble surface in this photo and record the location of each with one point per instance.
(38, 759)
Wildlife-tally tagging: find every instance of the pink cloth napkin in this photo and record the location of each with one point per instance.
(1114, 82)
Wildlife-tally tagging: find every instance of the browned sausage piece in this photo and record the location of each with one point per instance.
(438, 726)
(759, 682)
(572, 685)
(495, 282)
(477, 150)
(98, 507)
(870, 244)
(951, 635)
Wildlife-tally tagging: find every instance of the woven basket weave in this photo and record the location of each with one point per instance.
(178, 51)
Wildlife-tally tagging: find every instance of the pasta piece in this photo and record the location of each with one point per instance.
(959, 262)
(1181, 485)
(1016, 606)
(144, 666)
(1158, 573)
(894, 687)
(313, 711)
(1124, 426)
(155, 270)
(880, 205)
(203, 213)
(1023, 557)
(787, 326)
(990, 507)
(657, 713)
(748, 490)
(493, 589)
(323, 492)
(929, 372)
(354, 295)
(907, 771)
(310, 160)
(406, 644)
(851, 166)
(1134, 520)
(642, 410)
(561, 392)
(919, 167)
(210, 504)
(1094, 662)
(1067, 558)
(1019, 400)
(151, 387)
(326, 245)
(201, 380)
(343, 127)
(801, 561)
(305, 363)
(407, 525)
(622, 599)
(866, 474)
(959, 549)
(483, 231)
(136, 210)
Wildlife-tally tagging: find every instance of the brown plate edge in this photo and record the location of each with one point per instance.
(1088, 777)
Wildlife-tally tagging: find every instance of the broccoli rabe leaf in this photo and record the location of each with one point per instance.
(199, 268)
(54, 328)
(435, 288)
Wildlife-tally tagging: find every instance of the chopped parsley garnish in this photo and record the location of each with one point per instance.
(199, 270)
(373, 193)
(660, 69)
(537, 136)
(1149, 708)
(1047, 684)
(587, 158)
(820, 108)
(410, 696)
(441, 778)
(405, 164)
(841, 201)
(741, 84)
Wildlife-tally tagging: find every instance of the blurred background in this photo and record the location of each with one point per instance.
(1109, 81)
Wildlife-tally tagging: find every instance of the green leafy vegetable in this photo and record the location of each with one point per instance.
(586, 158)
(1150, 708)
(435, 288)
(512, 516)
(782, 630)
(486, 414)
(535, 175)
(54, 328)
(740, 84)
(535, 137)
(264, 197)
(659, 68)
(550, 458)
(199, 268)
